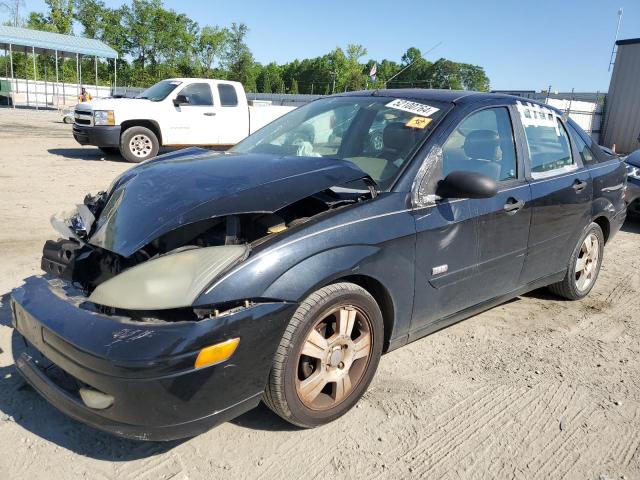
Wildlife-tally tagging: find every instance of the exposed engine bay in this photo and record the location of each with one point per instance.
(75, 259)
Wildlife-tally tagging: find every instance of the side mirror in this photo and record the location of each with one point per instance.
(463, 184)
(180, 100)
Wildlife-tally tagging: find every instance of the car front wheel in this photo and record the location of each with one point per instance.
(584, 265)
(327, 357)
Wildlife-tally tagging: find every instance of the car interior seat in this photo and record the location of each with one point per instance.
(397, 141)
(483, 155)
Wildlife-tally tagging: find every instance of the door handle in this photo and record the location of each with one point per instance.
(210, 114)
(513, 205)
(579, 185)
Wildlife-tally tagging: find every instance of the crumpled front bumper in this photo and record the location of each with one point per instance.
(146, 367)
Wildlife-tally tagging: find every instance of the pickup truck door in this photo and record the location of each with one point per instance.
(235, 114)
(469, 251)
(197, 122)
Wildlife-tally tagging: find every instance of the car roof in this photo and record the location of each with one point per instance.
(435, 95)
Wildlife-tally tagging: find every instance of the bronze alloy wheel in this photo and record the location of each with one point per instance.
(583, 266)
(334, 357)
(327, 357)
(587, 262)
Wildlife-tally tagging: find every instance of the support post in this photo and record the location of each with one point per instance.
(64, 91)
(95, 62)
(77, 77)
(57, 84)
(26, 75)
(46, 90)
(35, 75)
(13, 100)
(115, 76)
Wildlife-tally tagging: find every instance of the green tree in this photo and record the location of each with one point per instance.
(61, 15)
(239, 60)
(474, 77)
(38, 21)
(155, 43)
(212, 42)
(446, 74)
(294, 87)
(138, 21)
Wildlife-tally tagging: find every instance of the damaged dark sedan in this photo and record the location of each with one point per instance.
(200, 283)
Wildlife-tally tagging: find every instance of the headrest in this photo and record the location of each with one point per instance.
(482, 144)
(307, 132)
(398, 137)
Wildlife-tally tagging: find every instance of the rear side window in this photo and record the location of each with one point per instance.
(198, 94)
(483, 143)
(228, 96)
(585, 152)
(547, 139)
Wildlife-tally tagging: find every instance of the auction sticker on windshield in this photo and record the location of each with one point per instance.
(418, 122)
(412, 107)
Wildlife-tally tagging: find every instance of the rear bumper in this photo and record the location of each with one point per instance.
(146, 367)
(100, 136)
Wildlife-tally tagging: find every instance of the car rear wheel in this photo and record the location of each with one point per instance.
(327, 356)
(138, 144)
(584, 265)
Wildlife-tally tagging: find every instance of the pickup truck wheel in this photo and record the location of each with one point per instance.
(584, 265)
(138, 144)
(327, 356)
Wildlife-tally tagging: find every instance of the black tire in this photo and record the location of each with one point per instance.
(68, 120)
(109, 150)
(281, 395)
(568, 287)
(147, 140)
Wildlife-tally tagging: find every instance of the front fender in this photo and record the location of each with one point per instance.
(307, 276)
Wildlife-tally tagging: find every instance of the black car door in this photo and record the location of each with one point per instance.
(470, 250)
(561, 192)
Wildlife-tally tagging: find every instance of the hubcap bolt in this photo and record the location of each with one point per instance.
(341, 365)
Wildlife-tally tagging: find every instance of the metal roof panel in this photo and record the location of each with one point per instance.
(26, 37)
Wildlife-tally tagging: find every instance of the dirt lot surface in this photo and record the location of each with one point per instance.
(536, 388)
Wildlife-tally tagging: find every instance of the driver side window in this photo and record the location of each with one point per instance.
(198, 94)
(482, 143)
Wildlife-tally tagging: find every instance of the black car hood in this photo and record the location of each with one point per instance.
(162, 194)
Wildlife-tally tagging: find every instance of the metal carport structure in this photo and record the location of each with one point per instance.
(36, 42)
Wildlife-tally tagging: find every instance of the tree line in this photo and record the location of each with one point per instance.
(156, 43)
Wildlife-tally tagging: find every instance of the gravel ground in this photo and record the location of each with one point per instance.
(536, 388)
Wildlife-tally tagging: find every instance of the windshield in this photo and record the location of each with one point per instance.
(378, 134)
(160, 90)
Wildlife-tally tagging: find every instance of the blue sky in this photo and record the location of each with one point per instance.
(521, 44)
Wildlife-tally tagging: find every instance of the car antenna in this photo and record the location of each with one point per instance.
(375, 92)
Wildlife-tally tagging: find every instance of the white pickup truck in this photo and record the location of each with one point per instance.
(172, 113)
